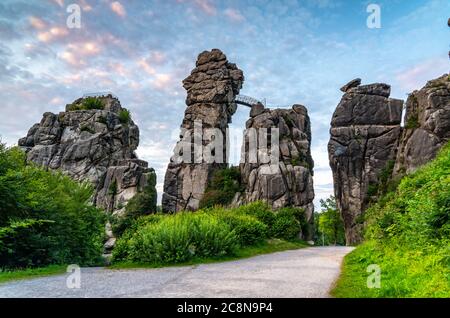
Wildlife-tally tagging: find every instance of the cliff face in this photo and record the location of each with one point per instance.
(95, 145)
(427, 125)
(289, 181)
(365, 130)
(211, 89)
(368, 146)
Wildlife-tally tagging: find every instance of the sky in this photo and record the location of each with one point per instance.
(291, 52)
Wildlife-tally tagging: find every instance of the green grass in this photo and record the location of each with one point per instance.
(405, 273)
(7, 276)
(266, 247)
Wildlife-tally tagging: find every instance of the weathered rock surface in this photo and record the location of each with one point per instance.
(427, 125)
(211, 89)
(288, 180)
(365, 130)
(95, 146)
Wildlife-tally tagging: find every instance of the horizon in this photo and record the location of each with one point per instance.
(287, 50)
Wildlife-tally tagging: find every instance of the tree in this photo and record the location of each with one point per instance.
(330, 225)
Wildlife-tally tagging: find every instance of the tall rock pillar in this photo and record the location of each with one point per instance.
(211, 89)
(287, 180)
(365, 131)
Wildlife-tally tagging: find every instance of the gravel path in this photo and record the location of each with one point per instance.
(307, 272)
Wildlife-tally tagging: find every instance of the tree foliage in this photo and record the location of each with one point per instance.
(45, 217)
(330, 226)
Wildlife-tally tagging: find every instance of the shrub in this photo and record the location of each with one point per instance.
(88, 103)
(125, 116)
(45, 217)
(217, 231)
(413, 122)
(286, 224)
(179, 238)
(223, 186)
(141, 204)
(248, 229)
(92, 103)
(260, 210)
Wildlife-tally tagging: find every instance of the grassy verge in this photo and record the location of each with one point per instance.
(7, 276)
(267, 247)
(404, 273)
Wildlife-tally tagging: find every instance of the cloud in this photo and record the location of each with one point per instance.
(37, 23)
(417, 76)
(118, 9)
(234, 15)
(206, 6)
(146, 66)
(162, 81)
(52, 34)
(59, 2)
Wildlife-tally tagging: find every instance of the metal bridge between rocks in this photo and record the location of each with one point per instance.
(246, 100)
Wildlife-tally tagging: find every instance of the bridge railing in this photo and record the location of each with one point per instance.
(246, 100)
(99, 94)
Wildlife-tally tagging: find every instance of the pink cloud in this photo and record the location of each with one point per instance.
(206, 6)
(52, 34)
(118, 9)
(163, 82)
(417, 76)
(146, 67)
(234, 15)
(75, 54)
(59, 2)
(37, 23)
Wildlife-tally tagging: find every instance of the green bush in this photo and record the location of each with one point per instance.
(45, 217)
(223, 186)
(260, 210)
(125, 116)
(88, 103)
(248, 229)
(142, 203)
(413, 122)
(286, 224)
(172, 238)
(179, 238)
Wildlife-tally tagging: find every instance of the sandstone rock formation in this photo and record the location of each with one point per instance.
(427, 125)
(211, 89)
(96, 145)
(288, 182)
(365, 131)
